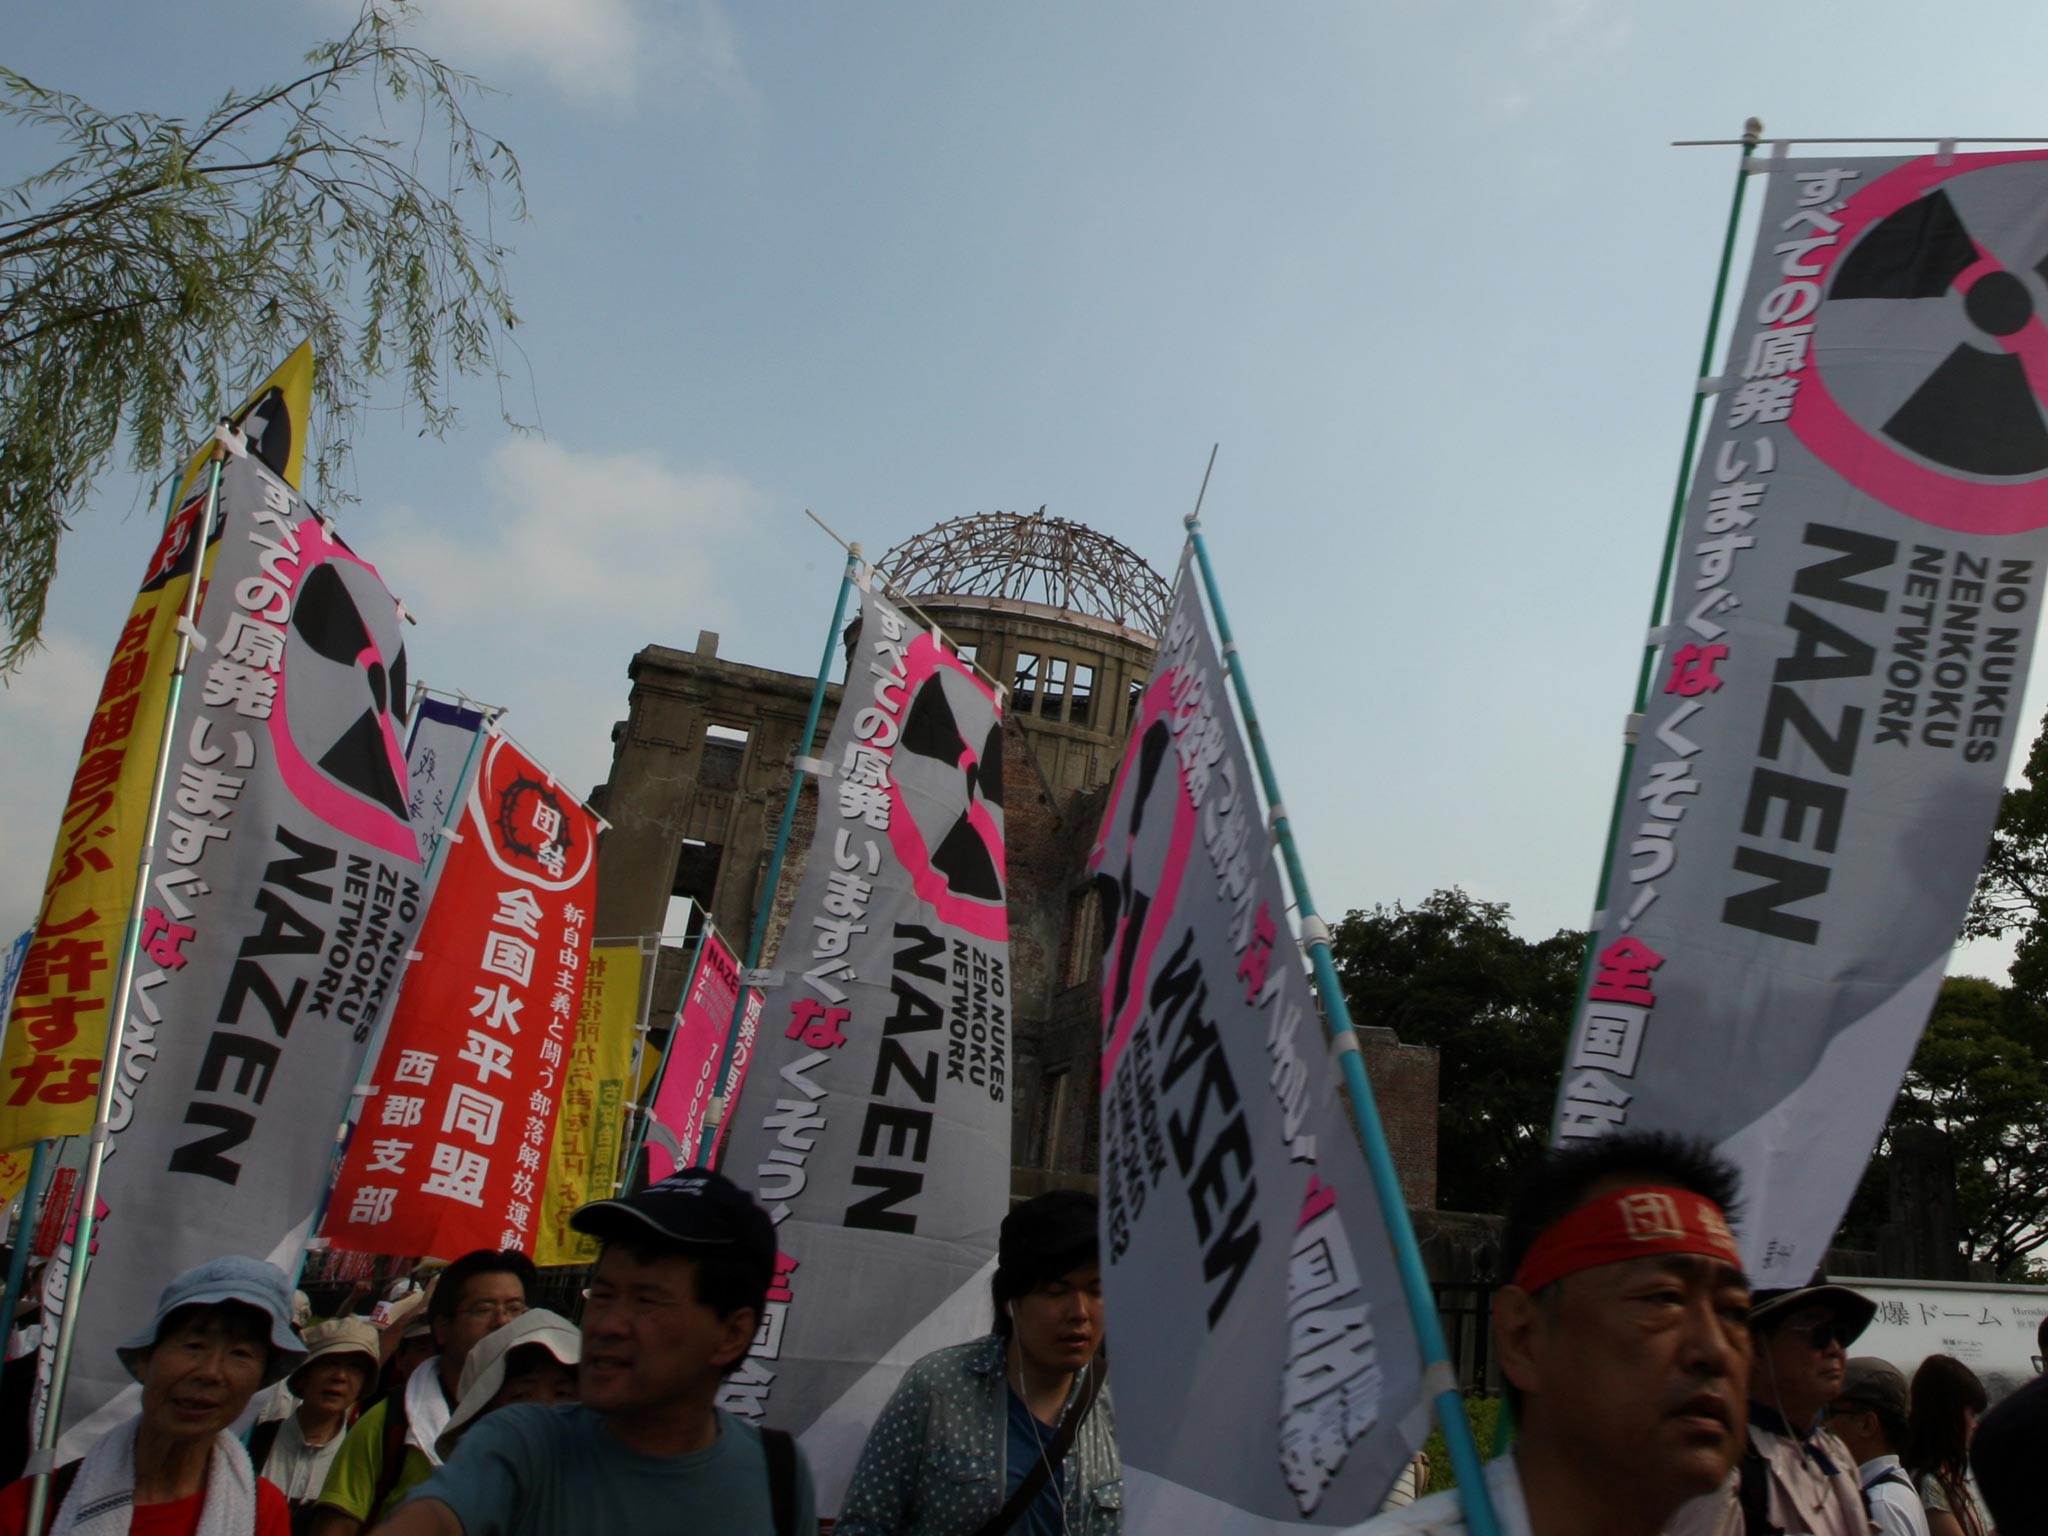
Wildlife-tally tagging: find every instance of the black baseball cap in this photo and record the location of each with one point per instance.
(693, 1210)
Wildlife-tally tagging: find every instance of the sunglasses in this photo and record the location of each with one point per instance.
(1821, 1335)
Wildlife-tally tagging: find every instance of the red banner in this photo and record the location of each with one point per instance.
(453, 1146)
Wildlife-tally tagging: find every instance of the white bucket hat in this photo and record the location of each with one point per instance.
(483, 1373)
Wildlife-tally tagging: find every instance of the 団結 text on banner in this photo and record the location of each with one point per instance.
(875, 1125)
(452, 1147)
(1268, 1377)
(49, 1068)
(590, 1131)
(285, 897)
(1820, 762)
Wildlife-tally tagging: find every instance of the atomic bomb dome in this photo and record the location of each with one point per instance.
(1027, 557)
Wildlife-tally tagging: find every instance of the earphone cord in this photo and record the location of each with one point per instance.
(1038, 1434)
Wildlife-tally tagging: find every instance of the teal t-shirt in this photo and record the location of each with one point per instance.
(558, 1472)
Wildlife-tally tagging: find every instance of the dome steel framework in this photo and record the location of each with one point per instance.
(1033, 558)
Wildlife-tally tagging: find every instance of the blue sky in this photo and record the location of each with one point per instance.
(1428, 272)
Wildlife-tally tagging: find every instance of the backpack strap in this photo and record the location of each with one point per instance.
(261, 1439)
(1050, 1458)
(392, 1465)
(781, 1453)
(1754, 1493)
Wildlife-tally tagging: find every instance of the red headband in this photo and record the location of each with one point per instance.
(1631, 1224)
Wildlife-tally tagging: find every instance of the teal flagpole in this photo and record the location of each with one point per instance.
(1379, 1158)
(759, 935)
(17, 1263)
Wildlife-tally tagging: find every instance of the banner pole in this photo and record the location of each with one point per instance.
(1752, 133)
(705, 932)
(226, 441)
(17, 1263)
(1473, 1493)
(758, 937)
(650, 961)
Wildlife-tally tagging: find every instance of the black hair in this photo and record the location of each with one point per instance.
(237, 1320)
(526, 1360)
(447, 1298)
(1556, 1184)
(2006, 1457)
(725, 1281)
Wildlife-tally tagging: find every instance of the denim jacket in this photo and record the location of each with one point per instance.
(933, 1464)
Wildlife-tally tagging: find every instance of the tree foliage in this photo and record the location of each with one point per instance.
(2012, 890)
(1449, 973)
(160, 267)
(1979, 1076)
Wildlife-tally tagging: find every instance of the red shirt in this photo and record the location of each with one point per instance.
(180, 1517)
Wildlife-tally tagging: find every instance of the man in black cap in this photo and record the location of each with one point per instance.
(1794, 1476)
(673, 1304)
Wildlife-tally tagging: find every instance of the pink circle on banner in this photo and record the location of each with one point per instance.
(1878, 469)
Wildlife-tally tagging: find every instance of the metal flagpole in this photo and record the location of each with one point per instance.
(650, 962)
(226, 441)
(767, 904)
(17, 1263)
(1752, 133)
(1473, 1493)
(704, 935)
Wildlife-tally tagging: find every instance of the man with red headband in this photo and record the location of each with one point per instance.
(1623, 1336)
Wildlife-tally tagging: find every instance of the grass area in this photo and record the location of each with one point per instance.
(1484, 1412)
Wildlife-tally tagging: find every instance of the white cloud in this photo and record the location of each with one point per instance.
(601, 49)
(575, 540)
(1584, 31)
(537, 600)
(45, 709)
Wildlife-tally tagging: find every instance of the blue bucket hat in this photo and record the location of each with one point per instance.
(251, 1282)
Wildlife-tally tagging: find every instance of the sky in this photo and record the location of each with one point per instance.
(1431, 275)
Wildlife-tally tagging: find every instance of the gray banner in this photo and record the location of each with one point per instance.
(284, 901)
(875, 1123)
(1267, 1374)
(1854, 605)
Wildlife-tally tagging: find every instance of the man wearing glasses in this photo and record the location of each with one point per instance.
(673, 1305)
(391, 1449)
(1795, 1476)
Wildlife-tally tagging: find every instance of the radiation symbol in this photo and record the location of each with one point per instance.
(1928, 382)
(267, 423)
(345, 704)
(955, 853)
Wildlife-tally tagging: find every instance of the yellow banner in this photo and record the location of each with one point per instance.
(590, 1133)
(57, 1030)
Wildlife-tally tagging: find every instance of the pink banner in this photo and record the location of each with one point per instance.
(698, 1040)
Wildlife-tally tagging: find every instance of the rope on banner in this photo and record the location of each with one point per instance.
(1473, 1493)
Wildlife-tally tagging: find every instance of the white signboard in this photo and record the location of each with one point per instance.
(1990, 1328)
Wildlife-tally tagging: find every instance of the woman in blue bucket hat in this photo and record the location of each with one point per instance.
(221, 1331)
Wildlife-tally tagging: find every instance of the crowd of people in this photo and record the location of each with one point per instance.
(1652, 1393)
